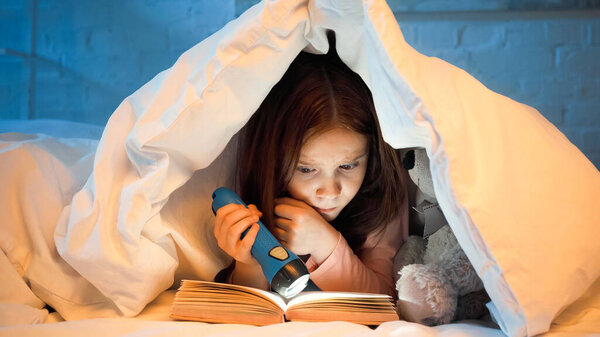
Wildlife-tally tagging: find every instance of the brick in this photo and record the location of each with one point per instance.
(444, 5)
(52, 41)
(521, 33)
(559, 86)
(481, 35)
(105, 99)
(70, 100)
(242, 5)
(591, 140)
(50, 71)
(432, 36)
(213, 13)
(13, 69)
(530, 88)
(512, 63)
(5, 92)
(152, 63)
(15, 26)
(14, 104)
(567, 32)
(53, 95)
(590, 87)
(80, 14)
(14, 87)
(99, 40)
(582, 61)
(583, 113)
(183, 35)
(594, 33)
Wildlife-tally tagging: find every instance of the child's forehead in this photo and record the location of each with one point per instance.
(338, 143)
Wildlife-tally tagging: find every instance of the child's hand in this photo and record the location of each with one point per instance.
(303, 230)
(230, 222)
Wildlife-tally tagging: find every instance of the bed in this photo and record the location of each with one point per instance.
(580, 319)
(100, 224)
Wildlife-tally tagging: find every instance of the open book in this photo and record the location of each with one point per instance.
(227, 303)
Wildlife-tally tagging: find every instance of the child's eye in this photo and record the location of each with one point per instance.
(305, 169)
(347, 167)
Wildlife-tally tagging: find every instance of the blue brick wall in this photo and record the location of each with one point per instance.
(89, 55)
(546, 59)
(15, 25)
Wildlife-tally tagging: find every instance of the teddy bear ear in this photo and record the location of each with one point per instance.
(409, 160)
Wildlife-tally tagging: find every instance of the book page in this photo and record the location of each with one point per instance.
(315, 296)
(362, 308)
(229, 303)
(226, 303)
(226, 288)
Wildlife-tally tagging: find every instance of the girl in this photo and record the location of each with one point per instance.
(332, 191)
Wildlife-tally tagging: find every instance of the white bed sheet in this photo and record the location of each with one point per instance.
(580, 319)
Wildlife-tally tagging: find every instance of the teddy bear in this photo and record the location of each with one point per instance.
(436, 282)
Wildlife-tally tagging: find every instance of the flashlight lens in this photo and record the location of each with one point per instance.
(297, 286)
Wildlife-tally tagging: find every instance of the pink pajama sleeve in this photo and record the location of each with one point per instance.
(368, 271)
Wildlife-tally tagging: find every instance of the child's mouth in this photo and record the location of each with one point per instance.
(326, 210)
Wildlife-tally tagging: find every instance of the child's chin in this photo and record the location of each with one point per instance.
(329, 217)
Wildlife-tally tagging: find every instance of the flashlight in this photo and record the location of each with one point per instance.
(285, 272)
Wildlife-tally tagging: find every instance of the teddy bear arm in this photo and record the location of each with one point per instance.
(425, 296)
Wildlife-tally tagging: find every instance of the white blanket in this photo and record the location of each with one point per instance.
(520, 198)
(579, 320)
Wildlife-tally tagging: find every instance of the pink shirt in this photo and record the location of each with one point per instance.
(371, 270)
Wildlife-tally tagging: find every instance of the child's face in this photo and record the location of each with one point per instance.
(330, 170)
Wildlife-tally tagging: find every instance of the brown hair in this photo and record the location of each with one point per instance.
(317, 93)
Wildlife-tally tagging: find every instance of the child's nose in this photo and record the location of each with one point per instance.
(329, 189)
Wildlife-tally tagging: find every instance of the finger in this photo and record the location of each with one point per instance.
(236, 215)
(291, 201)
(233, 217)
(283, 223)
(239, 227)
(219, 217)
(255, 210)
(224, 211)
(230, 239)
(280, 234)
(248, 241)
(285, 211)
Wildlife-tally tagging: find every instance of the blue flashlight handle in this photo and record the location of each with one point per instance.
(269, 253)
